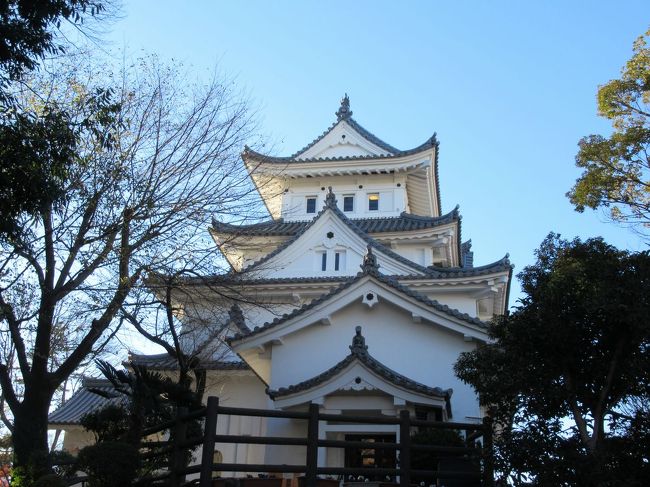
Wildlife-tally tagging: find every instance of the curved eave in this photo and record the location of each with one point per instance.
(289, 323)
(405, 223)
(377, 375)
(343, 166)
(249, 155)
(422, 188)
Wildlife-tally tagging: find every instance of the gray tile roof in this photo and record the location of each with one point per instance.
(345, 114)
(367, 270)
(250, 154)
(432, 273)
(403, 223)
(330, 203)
(85, 401)
(359, 352)
(164, 361)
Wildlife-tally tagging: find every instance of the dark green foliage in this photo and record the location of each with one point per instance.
(577, 348)
(50, 480)
(63, 463)
(152, 399)
(110, 463)
(110, 423)
(39, 147)
(26, 29)
(429, 460)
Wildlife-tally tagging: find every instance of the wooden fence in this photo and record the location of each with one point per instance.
(178, 470)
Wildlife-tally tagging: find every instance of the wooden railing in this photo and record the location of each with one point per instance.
(178, 470)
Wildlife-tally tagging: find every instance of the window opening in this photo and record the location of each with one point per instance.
(348, 203)
(337, 261)
(373, 201)
(311, 205)
(323, 261)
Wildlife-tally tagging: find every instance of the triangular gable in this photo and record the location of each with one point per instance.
(329, 233)
(359, 371)
(342, 140)
(345, 138)
(369, 288)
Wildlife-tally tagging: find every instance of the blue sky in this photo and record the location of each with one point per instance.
(509, 87)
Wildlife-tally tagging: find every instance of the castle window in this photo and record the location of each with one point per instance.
(373, 201)
(311, 204)
(348, 203)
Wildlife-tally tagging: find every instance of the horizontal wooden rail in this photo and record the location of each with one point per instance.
(261, 440)
(237, 467)
(359, 444)
(266, 413)
(340, 418)
(396, 472)
(447, 425)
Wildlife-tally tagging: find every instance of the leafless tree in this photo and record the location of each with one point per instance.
(140, 194)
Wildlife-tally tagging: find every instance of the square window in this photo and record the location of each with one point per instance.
(311, 204)
(348, 203)
(373, 202)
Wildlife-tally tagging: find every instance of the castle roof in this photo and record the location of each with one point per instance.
(403, 223)
(359, 353)
(369, 269)
(85, 401)
(348, 149)
(330, 205)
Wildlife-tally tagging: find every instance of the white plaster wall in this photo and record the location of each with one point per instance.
(75, 438)
(424, 352)
(392, 198)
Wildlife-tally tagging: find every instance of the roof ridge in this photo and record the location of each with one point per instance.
(367, 271)
(449, 216)
(430, 142)
(331, 205)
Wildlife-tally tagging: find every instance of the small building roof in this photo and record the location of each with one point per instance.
(85, 401)
(164, 361)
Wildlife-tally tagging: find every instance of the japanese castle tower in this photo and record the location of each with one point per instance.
(369, 296)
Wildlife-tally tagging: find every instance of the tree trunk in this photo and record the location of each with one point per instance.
(30, 434)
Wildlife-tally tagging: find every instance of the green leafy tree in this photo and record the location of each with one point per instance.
(617, 168)
(28, 30)
(567, 377)
(35, 150)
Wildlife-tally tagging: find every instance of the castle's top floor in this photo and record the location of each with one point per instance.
(374, 179)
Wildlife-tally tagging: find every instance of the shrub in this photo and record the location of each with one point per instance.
(109, 463)
(50, 480)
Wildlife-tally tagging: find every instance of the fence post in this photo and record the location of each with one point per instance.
(210, 429)
(177, 460)
(405, 448)
(312, 446)
(488, 452)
